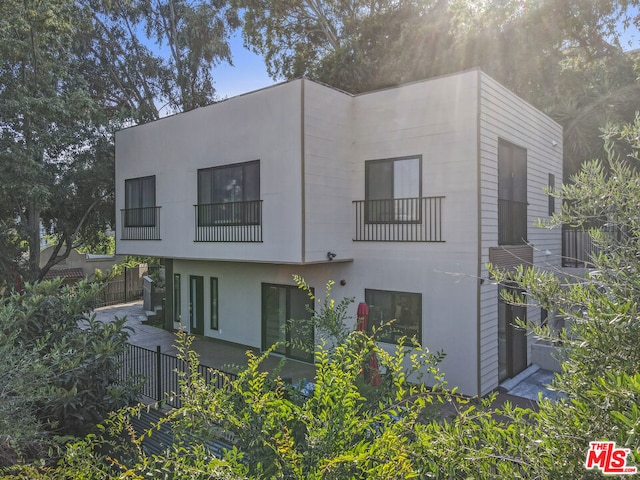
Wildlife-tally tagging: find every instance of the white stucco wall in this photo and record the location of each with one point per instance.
(438, 120)
(240, 294)
(313, 142)
(328, 171)
(263, 125)
(240, 299)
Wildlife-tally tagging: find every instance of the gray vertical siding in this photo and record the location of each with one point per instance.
(504, 115)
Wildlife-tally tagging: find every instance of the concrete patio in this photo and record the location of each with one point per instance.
(522, 390)
(213, 353)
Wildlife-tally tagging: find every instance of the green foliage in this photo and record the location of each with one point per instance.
(599, 379)
(61, 378)
(103, 244)
(565, 57)
(72, 73)
(153, 56)
(335, 432)
(56, 153)
(328, 318)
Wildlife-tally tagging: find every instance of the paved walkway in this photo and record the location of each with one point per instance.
(225, 356)
(213, 353)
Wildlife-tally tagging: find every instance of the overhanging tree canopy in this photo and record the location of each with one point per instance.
(564, 57)
(70, 74)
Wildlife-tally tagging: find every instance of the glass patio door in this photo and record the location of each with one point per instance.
(512, 340)
(283, 308)
(196, 305)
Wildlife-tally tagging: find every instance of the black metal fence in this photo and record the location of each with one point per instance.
(399, 220)
(160, 373)
(577, 248)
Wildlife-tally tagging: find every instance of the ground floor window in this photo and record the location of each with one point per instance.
(177, 304)
(213, 299)
(403, 307)
(285, 321)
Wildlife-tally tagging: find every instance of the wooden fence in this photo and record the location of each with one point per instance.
(124, 288)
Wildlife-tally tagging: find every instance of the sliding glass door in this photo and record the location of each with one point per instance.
(285, 318)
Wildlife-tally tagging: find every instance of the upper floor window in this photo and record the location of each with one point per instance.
(391, 188)
(230, 183)
(140, 202)
(512, 194)
(229, 195)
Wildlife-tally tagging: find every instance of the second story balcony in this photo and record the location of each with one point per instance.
(140, 223)
(229, 222)
(399, 220)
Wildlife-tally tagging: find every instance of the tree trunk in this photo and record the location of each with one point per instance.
(34, 242)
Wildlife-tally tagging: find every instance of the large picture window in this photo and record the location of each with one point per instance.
(229, 195)
(140, 202)
(392, 190)
(403, 307)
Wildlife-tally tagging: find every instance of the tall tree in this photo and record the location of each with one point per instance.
(349, 44)
(47, 117)
(70, 74)
(157, 54)
(565, 57)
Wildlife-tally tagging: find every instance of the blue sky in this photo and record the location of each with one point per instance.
(248, 73)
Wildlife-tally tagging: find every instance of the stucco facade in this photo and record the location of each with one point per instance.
(328, 161)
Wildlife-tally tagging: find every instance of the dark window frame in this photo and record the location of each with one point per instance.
(512, 193)
(287, 349)
(214, 320)
(135, 214)
(242, 211)
(544, 317)
(377, 207)
(177, 298)
(397, 328)
(513, 350)
(551, 189)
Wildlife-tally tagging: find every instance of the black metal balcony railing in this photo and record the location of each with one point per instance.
(229, 222)
(578, 248)
(512, 222)
(399, 220)
(140, 223)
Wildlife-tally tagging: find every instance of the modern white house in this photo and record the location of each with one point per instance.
(401, 196)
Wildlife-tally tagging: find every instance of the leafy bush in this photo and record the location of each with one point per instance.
(60, 376)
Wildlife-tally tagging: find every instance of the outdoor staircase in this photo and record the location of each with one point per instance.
(154, 316)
